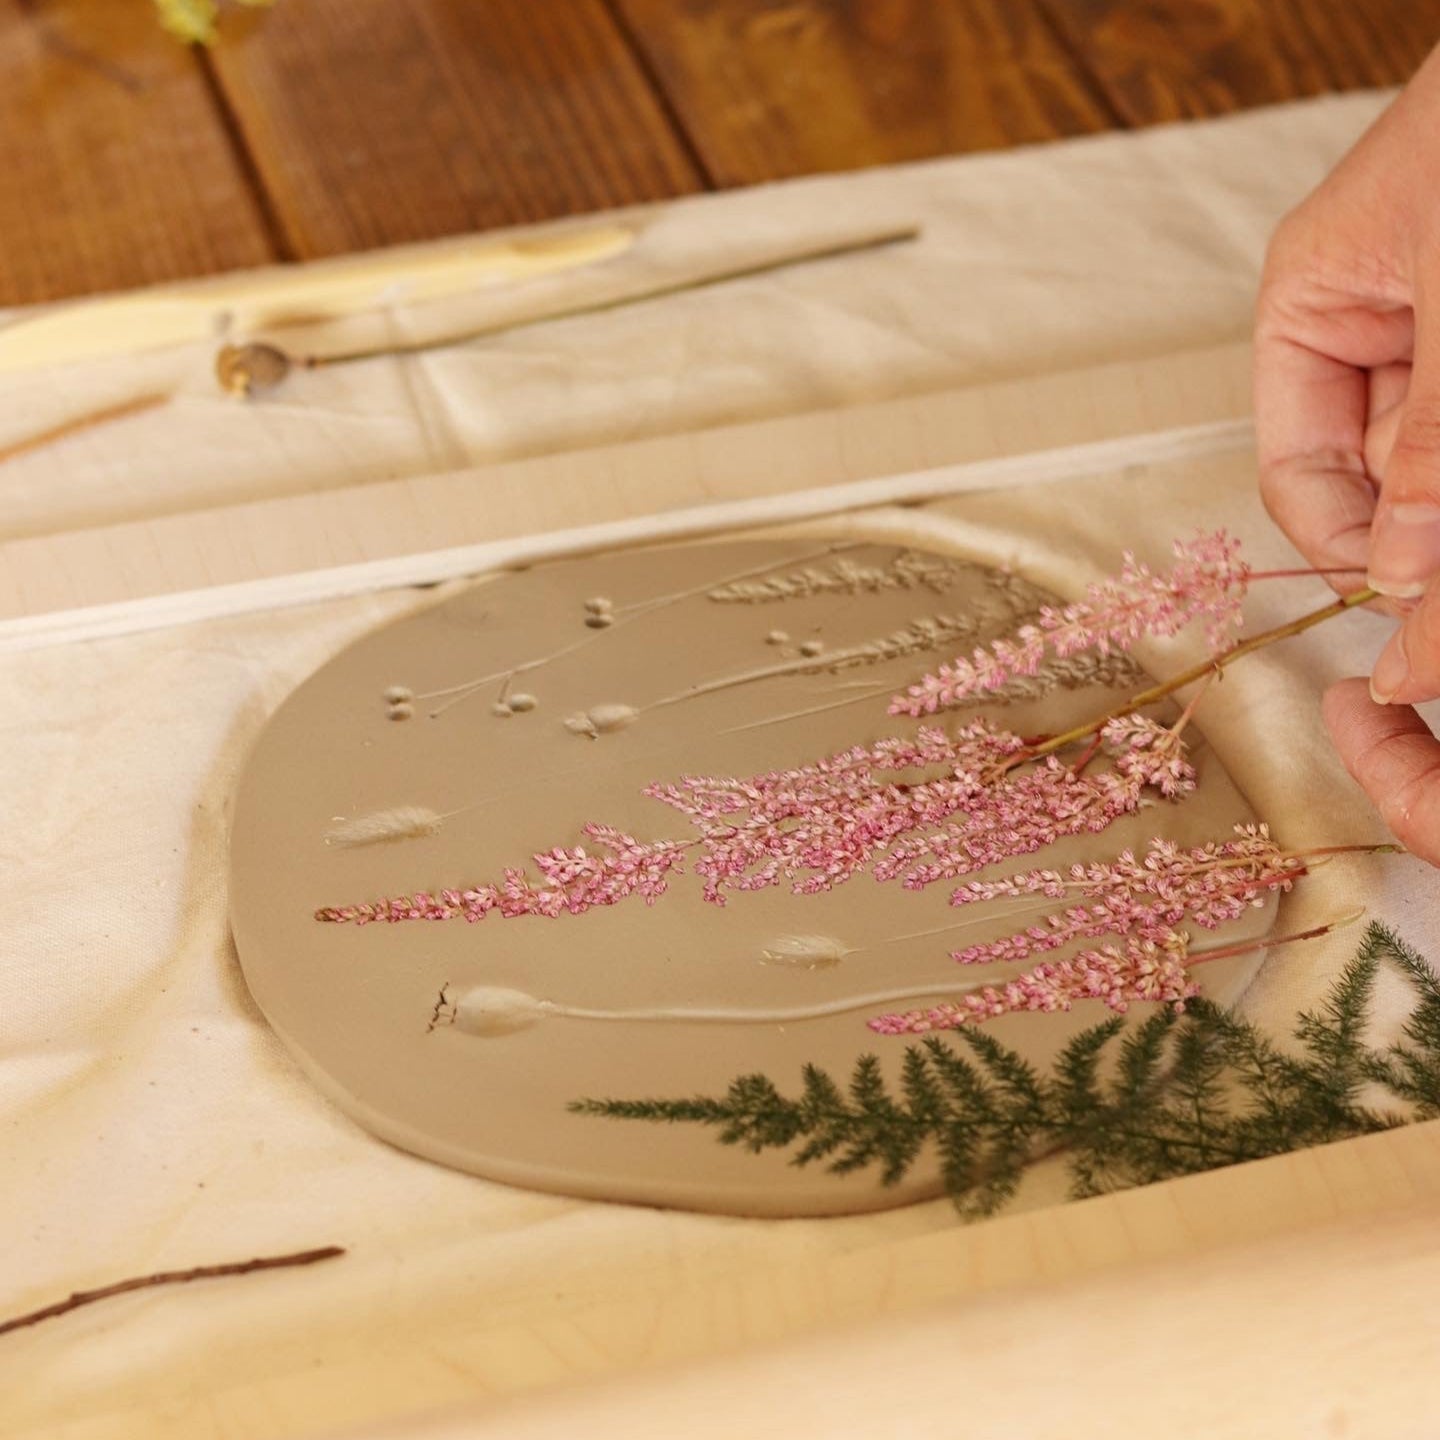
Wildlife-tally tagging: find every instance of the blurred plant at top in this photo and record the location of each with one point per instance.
(195, 21)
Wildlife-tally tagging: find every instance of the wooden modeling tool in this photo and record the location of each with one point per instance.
(260, 365)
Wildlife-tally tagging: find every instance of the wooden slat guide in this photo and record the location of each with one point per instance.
(182, 567)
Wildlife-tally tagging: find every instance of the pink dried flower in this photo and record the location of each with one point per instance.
(818, 825)
(1208, 579)
(1208, 886)
(573, 881)
(1024, 811)
(1149, 754)
(1141, 968)
(1140, 901)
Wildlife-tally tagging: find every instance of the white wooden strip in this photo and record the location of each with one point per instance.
(156, 611)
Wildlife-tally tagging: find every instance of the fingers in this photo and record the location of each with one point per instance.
(1389, 385)
(1310, 412)
(1408, 670)
(1316, 347)
(1395, 759)
(1405, 545)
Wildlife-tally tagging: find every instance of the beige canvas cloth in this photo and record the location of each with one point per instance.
(148, 1119)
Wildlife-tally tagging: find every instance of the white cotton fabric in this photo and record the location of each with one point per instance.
(149, 1119)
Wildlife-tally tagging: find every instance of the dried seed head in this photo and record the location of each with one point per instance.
(244, 369)
(601, 720)
(497, 1010)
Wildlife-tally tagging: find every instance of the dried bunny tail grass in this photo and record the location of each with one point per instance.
(804, 952)
(384, 827)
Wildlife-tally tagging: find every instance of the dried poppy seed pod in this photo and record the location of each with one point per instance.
(244, 369)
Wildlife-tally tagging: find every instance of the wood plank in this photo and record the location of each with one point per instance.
(372, 123)
(115, 167)
(1177, 59)
(768, 90)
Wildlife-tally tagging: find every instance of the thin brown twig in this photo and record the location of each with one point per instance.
(170, 1277)
(77, 424)
(1202, 671)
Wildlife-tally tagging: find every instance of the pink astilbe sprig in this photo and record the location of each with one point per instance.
(1025, 810)
(1208, 580)
(1207, 886)
(1149, 967)
(1148, 753)
(1139, 901)
(571, 881)
(818, 825)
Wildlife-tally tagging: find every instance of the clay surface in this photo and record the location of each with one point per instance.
(445, 748)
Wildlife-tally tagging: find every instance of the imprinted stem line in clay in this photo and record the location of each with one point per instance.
(659, 602)
(503, 1011)
(762, 1016)
(635, 611)
(804, 665)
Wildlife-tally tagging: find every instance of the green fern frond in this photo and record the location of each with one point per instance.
(1177, 1094)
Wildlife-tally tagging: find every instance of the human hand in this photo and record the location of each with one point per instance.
(1347, 407)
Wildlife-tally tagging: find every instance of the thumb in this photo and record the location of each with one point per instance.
(1405, 538)
(1391, 752)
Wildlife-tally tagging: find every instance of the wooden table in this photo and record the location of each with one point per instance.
(326, 126)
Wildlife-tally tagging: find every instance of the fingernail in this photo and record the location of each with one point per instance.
(1392, 670)
(1404, 549)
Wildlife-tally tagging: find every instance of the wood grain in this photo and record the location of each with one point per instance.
(372, 123)
(115, 170)
(773, 88)
(1163, 60)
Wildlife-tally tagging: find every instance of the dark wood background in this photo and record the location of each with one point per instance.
(325, 126)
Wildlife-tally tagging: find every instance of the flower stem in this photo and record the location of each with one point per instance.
(1297, 574)
(1213, 666)
(1248, 946)
(1387, 847)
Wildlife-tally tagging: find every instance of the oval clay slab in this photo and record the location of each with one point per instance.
(451, 746)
